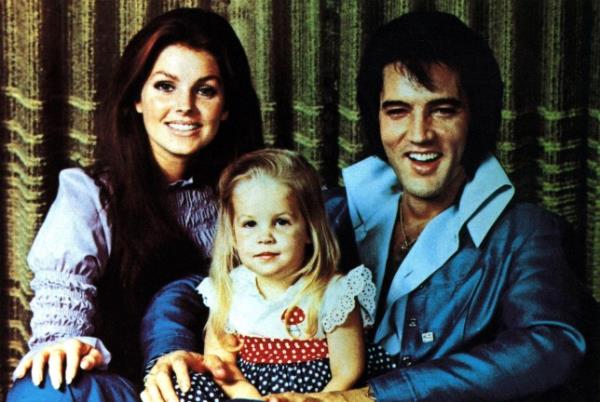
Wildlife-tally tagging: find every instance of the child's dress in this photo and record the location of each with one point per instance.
(271, 359)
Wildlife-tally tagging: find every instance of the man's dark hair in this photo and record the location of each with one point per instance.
(416, 41)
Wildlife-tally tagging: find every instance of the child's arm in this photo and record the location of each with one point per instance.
(346, 353)
(236, 386)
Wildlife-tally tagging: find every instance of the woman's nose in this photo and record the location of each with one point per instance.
(184, 102)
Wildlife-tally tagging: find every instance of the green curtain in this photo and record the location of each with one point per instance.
(57, 58)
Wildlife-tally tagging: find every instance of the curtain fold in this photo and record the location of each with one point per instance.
(57, 59)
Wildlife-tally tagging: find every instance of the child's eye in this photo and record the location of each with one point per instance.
(164, 86)
(282, 222)
(248, 224)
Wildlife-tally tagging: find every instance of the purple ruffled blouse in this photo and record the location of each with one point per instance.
(71, 249)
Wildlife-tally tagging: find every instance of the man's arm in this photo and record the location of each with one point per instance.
(174, 320)
(171, 336)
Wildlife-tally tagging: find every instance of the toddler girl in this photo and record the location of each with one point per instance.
(281, 317)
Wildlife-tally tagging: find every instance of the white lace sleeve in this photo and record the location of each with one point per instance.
(207, 290)
(341, 295)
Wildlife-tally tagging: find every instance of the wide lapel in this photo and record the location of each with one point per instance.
(482, 200)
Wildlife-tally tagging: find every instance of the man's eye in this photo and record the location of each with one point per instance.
(207, 91)
(248, 224)
(164, 86)
(396, 112)
(445, 111)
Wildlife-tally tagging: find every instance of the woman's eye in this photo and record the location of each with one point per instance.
(207, 91)
(164, 86)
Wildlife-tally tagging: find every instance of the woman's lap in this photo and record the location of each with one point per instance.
(95, 386)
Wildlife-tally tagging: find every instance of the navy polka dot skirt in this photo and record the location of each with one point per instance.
(275, 366)
(272, 366)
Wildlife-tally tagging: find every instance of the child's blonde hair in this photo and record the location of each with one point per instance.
(322, 255)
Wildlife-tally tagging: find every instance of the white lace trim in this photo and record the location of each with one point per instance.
(356, 285)
(207, 291)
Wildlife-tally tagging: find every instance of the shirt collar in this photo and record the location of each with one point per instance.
(483, 198)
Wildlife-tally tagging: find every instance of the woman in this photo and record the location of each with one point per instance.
(181, 107)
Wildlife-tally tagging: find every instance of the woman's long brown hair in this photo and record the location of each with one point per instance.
(149, 248)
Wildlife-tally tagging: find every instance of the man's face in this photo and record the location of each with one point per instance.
(424, 132)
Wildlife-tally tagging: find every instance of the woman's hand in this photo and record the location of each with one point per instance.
(158, 384)
(63, 359)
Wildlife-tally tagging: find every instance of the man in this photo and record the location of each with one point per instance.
(474, 298)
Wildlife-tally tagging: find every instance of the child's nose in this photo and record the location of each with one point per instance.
(265, 236)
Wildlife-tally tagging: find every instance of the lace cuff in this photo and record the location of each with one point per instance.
(341, 295)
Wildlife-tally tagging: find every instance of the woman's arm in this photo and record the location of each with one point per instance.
(67, 258)
(346, 353)
(236, 385)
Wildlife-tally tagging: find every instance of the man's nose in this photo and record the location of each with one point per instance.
(419, 129)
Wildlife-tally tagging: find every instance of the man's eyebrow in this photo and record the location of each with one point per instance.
(450, 101)
(393, 103)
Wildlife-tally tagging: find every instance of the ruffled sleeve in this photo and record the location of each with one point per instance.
(341, 296)
(207, 290)
(67, 258)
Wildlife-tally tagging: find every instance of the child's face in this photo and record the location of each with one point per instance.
(270, 232)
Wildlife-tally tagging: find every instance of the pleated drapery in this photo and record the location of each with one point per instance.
(57, 58)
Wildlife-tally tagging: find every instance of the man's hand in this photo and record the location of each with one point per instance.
(63, 359)
(353, 395)
(158, 384)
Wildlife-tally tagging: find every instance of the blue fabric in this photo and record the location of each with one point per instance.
(96, 386)
(494, 312)
(174, 320)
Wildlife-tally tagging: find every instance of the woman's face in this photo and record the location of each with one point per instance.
(182, 104)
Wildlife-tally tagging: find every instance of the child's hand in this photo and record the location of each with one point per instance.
(234, 384)
(158, 384)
